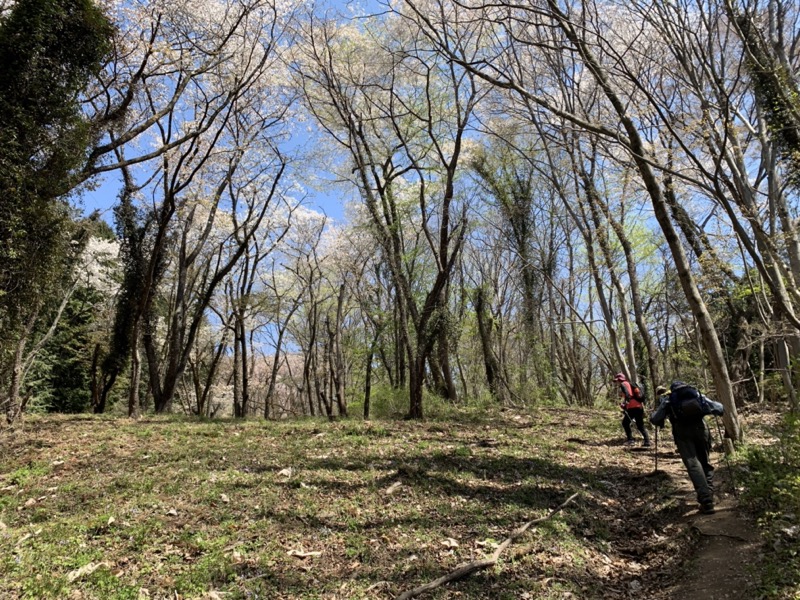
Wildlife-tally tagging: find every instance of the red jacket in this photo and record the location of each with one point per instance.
(626, 392)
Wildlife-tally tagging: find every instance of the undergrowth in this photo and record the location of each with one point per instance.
(772, 493)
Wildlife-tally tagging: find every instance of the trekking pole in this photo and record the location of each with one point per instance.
(727, 460)
(656, 470)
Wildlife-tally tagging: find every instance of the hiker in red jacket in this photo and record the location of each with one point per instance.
(633, 408)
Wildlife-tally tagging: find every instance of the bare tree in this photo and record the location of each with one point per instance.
(513, 55)
(402, 118)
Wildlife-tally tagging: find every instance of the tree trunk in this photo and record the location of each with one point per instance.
(435, 377)
(490, 363)
(245, 371)
(14, 404)
(416, 384)
(447, 372)
(337, 366)
(237, 379)
(784, 364)
(133, 391)
(592, 195)
(97, 408)
(276, 361)
(636, 298)
(716, 357)
(204, 404)
(368, 378)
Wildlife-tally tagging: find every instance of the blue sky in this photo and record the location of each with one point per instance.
(103, 197)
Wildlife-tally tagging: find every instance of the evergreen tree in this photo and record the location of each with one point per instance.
(49, 50)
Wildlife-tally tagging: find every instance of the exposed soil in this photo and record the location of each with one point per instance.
(722, 564)
(695, 556)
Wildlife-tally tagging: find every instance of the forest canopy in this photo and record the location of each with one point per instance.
(536, 197)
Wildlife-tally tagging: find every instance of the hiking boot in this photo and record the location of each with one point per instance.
(707, 508)
(646, 444)
(629, 442)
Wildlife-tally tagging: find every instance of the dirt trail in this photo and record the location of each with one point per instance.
(726, 556)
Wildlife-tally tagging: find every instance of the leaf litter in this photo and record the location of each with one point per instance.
(382, 507)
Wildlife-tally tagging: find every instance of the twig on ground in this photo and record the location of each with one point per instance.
(478, 565)
(378, 585)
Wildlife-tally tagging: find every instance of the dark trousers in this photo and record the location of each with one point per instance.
(635, 414)
(692, 440)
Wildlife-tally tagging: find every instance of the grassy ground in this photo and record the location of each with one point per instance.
(165, 507)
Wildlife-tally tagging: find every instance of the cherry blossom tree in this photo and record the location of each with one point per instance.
(402, 117)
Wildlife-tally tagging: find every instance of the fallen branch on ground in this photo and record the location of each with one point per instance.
(725, 535)
(484, 563)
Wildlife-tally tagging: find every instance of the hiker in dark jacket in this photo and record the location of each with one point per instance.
(633, 410)
(685, 408)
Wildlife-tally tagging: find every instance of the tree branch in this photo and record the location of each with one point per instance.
(478, 565)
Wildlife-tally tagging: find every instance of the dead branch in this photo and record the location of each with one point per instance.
(478, 565)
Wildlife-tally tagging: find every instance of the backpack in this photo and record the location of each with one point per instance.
(686, 402)
(638, 392)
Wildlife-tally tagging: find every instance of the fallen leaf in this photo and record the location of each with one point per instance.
(111, 521)
(172, 512)
(85, 570)
(30, 502)
(224, 498)
(450, 543)
(302, 554)
(392, 488)
(287, 472)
